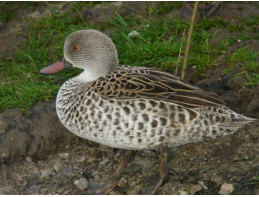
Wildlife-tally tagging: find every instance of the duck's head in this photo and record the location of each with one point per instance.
(90, 50)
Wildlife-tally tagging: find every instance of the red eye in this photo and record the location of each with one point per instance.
(75, 47)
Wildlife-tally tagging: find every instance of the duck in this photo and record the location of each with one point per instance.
(133, 108)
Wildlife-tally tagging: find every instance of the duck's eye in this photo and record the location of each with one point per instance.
(75, 47)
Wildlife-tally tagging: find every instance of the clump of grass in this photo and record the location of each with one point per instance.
(245, 57)
(155, 46)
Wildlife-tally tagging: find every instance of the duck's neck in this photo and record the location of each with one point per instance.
(94, 71)
(87, 76)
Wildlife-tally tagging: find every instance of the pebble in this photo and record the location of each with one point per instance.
(67, 173)
(34, 189)
(195, 188)
(45, 173)
(81, 159)
(148, 153)
(226, 189)
(135, 190)
(66, 192)
(203, 185)
(58, 167)
(64, 155)
(81, 183)
(104, 162)
(28, 159)
(181, 192)
(123, 182)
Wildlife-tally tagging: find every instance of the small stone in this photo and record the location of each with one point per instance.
(45, 173)
(34, 189)
(104, 162)
(203, 185)
(133, 34)
(226, 189)
(195, 188)
(81, 183)
(68, 173)
(66, 192)
(28, 159)
(64, 155)
(81, 159)
(135, 190)
(168, 189)
(6, 190)
(148, 153)
(181, 192)
(58, 167)
(123, 182)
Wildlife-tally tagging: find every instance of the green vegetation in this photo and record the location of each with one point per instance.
(245, 57)
(255, 181)
(157, 46)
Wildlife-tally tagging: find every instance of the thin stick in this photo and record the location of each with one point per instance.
(178, 61)
(189, 39)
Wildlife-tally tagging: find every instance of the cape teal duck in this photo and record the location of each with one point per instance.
(134, 108)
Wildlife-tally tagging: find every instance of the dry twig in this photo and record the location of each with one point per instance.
(178, 61)
(189, 39)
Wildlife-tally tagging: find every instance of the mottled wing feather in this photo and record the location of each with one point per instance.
(141, 82)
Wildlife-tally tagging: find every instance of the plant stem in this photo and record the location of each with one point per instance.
(189, 39)
(178, 61)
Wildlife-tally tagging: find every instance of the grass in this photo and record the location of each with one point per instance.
(245, 57)
(157, 46)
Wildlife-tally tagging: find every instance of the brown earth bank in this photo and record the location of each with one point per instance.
(38, 155)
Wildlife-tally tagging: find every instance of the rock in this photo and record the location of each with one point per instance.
(64, 155)
(123, 182)
(65, 175)
(58, 167)
(148, 153)
(45, 173)
(34, 189)
(226, 189)
(195, 188)
(81, 183)
(81, 159)
(104, 162)
(167, 189)
(6, 190)
(202, 184)
(135, 190)
(28, 159)
(66, 192)
(53, 188)
(181, 192)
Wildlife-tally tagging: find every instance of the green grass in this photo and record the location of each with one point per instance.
(157, 46)
(245, 57)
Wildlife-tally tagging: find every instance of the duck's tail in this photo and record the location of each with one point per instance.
(222, 121)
